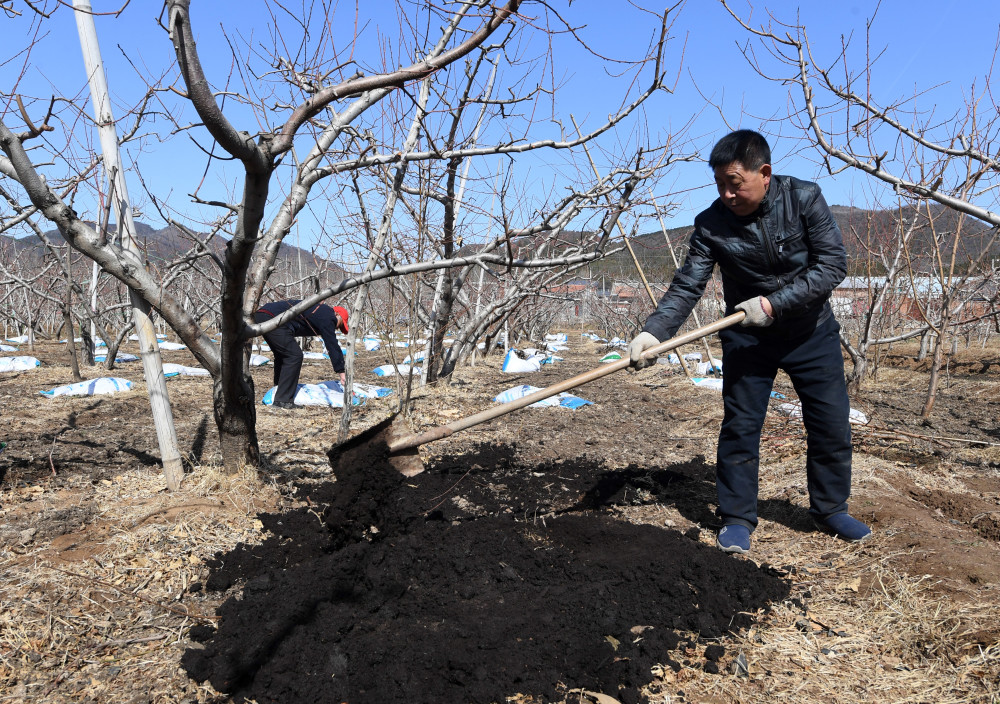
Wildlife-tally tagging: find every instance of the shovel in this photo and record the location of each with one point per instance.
(400, 449)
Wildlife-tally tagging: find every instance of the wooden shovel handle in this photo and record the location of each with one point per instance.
(443, 431)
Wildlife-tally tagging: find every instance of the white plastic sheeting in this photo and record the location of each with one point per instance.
(327, 393)
(372, 344)
(19, 340)
(103, 386)
(258, 360)
(610, 357)
(18, 364)
(172, 346)
(563, 400)
(7, 348)
(315, 355)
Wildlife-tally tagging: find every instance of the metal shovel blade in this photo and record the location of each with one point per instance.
(371, 448)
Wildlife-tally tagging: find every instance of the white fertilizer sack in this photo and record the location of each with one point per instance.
(703, 368)
(104, 386)
(389, 370)
(327, 393)
(794, 410)
(18, 364)
(370, 390)
(563, 400)
(170, 369)
(120, 359)
(517, 362)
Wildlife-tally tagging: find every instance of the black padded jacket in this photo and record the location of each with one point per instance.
(790, 250)
(319, 320)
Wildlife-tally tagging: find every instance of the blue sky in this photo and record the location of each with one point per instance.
(941, 45)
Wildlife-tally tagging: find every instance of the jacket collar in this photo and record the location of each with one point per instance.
(765, 205)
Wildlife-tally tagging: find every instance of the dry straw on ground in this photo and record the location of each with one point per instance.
(97, 602)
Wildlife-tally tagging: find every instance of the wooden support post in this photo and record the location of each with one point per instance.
(152, 365)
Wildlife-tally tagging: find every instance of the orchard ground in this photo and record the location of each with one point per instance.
(546, 556)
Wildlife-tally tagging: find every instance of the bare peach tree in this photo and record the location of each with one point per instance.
(916, 154)
(294, 122)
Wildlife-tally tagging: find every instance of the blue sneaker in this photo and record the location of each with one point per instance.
(734, 538)
(843, 526)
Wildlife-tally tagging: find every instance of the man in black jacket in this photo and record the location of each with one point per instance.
(781, 254)
(320, 320)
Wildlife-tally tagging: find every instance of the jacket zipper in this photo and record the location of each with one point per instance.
(772, 254)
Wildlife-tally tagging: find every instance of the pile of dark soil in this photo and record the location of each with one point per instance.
(476, 581)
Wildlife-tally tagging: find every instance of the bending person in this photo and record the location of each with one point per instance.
(321, 320)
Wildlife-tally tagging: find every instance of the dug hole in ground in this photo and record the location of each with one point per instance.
(544, 557)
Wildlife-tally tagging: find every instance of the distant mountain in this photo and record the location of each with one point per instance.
(163, 245)
(863, 231)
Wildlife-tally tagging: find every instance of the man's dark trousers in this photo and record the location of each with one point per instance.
(287, 360)
(815, 365)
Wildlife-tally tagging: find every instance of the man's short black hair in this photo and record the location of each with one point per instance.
(745, 146)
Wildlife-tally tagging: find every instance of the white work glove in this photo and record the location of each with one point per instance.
(642, 342)
(756, 317)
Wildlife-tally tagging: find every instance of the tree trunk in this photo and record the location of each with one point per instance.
(935, 378)
(70, 344)
(88, 345)
(68, 317)
(439, 327)
(235, 411)
(857, 375)
(925, 340)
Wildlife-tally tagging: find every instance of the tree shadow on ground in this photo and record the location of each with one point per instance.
(479, 579)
